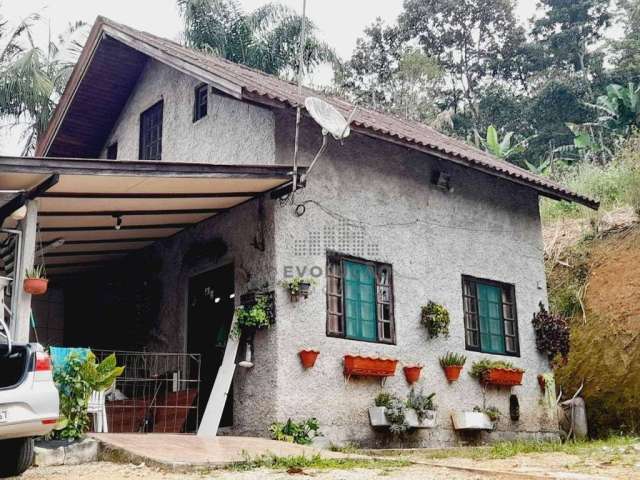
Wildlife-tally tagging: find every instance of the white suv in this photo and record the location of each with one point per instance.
(29, 405)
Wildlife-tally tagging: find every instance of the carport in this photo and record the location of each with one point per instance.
(94, 211)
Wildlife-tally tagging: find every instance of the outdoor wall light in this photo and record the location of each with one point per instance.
(118, 221)
(442, 180)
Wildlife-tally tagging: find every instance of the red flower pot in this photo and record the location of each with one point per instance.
(369, 366)
(35, 286)
(308, 357)
(412, 373)
(504, 376)
(452, 372)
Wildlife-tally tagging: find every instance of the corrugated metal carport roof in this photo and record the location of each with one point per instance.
(154, 200)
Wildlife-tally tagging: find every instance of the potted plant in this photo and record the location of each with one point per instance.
(369, 366)
(251, 319)
(435, 318)
(412, 372)
(35, 281)
(308, 357)
(492, 412)
(472, 420)
(497, 372)
(452, 364)
(421, 410)
(389, 411)
(298, 287)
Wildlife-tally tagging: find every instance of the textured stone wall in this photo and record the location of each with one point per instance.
(485, 227)
(253, 269)
(233, 132)
(368, 199)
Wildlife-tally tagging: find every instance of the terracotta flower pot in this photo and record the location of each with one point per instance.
(412, 373)
(308, 357)
(452, 372)
(542, 383)
(35, 286)
(369, 366)
(504, 376)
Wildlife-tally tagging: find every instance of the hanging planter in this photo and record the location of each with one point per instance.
(497, 373)
(435, 318)
(35, 282)
(369, 366)
(298, 287)
(308, 357)
(452, 364)
(504, 376)
(412, 373)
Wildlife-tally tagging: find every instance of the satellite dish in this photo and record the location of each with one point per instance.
(328, 117)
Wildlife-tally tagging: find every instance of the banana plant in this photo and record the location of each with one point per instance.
(500, 148)
(620, 108)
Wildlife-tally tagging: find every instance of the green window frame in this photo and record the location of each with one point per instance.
(359, 299)
(490, 316)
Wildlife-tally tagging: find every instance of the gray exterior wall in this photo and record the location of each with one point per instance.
(254, 402)
(486, 227)
(233, 132)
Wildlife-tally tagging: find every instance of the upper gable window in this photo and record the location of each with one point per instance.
(151, 132)
(200, 102)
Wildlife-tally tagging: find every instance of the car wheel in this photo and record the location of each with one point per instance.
(16, 455)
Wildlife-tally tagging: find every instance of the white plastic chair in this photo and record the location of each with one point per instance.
(98, 409)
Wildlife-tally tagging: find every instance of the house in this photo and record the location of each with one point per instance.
(166, 178)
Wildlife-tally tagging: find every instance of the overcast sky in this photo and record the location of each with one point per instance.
(340, 22)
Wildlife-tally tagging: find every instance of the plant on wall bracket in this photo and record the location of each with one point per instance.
(298, 287)
(255, 317)
(435, 319)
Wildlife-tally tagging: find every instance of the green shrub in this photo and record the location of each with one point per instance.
(75, 383)
(301, 433)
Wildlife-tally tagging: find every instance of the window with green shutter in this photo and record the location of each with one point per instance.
(490, 316)
(359, 299)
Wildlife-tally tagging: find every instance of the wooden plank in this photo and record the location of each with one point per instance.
(163, 169)
(215, 406)
(168, 195)
(20, 324)
(179, 226)
(123, 213)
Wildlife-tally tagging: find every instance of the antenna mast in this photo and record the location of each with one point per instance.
(298, 110)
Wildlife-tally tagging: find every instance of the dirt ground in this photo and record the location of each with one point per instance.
(602, 463)
(112, 471)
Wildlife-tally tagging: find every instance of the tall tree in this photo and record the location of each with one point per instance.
(626, 50)
(386, 74)
(33, 78)
(472, 40)
(569, 28)
(267, 39)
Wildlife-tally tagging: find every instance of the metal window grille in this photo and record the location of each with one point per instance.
(157, 392)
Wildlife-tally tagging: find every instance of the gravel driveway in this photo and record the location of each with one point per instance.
(112, 471)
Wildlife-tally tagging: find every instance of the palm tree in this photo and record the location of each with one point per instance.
(266, 39)
(31, 78)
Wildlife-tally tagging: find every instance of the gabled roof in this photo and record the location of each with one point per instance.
(110, 39)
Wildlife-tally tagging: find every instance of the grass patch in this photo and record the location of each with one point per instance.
(501, 450)
(315, 462)
(615, 184)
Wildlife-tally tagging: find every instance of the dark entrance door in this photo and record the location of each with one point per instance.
(211, 303)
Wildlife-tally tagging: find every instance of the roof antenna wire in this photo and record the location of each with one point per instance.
(299, 109)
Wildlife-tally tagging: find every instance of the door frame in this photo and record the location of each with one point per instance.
(189, 275)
